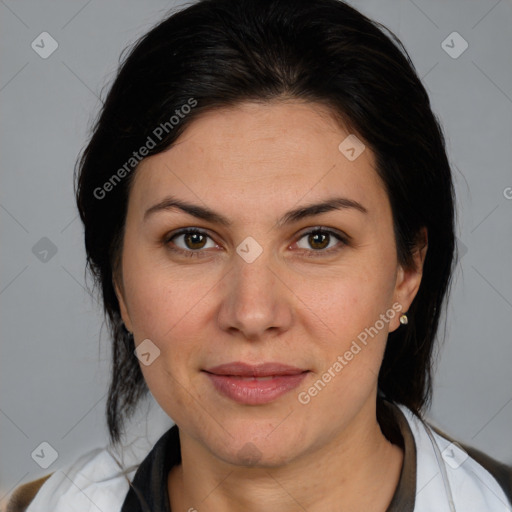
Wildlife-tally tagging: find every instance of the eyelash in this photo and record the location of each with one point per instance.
(311, 253)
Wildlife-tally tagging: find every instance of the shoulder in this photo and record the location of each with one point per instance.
(450, 470)
(95, 481)
(481, 465)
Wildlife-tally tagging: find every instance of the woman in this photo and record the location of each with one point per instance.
(269, 211)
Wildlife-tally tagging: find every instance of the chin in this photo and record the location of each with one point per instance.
(252, 455)
(258, 444)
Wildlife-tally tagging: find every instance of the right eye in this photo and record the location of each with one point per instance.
(188, 241)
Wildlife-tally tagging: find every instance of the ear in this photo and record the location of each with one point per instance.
(408, 280)
(119, 290)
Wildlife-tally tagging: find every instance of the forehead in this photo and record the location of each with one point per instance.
(260, 153)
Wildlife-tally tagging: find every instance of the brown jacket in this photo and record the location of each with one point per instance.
(23, 495)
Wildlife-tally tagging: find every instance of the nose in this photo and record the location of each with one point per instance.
(255, 301)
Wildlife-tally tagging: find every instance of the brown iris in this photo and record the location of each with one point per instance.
(197, 240)
(318, 240)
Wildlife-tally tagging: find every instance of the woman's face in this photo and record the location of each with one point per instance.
(259, 288)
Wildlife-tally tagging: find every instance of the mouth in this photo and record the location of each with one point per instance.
(254, 384)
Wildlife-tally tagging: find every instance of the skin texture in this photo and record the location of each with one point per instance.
(253, 163)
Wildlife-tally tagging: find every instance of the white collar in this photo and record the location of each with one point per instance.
(471, 486)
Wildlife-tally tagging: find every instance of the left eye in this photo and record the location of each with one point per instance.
(320, 240)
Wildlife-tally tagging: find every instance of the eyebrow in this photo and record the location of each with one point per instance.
(204, 213)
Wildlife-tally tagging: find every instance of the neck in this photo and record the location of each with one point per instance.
(358, 469)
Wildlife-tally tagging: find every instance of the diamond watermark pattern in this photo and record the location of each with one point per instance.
(454, 455)
(249, 453)
(462, 249)
(351, 147)
(249, 249)
(147, 352)
(44, 250)
(44, 45)
(454, 45)
(44, 455)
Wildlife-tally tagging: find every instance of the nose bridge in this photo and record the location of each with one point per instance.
(254, 301)
(253, 276)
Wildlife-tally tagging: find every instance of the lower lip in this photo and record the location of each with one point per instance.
(255, 391)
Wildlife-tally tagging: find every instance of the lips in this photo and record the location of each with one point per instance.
(239, 369)
(254, 384)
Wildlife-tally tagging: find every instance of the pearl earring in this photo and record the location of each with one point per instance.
(403, 319)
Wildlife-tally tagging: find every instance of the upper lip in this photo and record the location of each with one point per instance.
(240, 369)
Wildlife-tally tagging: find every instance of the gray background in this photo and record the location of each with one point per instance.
(54, 362)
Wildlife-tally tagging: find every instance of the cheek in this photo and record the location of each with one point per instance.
(349, 355)
(346, 323)
(161, 296)
(345, 304)
(172, 309)
(168, 316)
